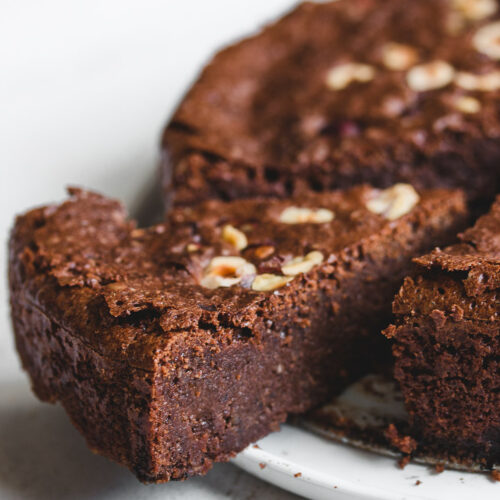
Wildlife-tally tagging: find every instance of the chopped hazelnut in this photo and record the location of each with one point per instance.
(455, 23)
(116, 286)
(394, 202)
(264, 252)
(234, 237)
(137, 233)
(487, 40)
(487, 82)
(297, 215)
(226, 271)
(475, 10)
(430, 76)
(341, 76)
(467, 104)
(398, 57)
(302, 264)
(269, 282)
(192, 247)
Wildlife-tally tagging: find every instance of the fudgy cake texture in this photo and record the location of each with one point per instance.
(447, 346)
(176, 346)
(340, 93)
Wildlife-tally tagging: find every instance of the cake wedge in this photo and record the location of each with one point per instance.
(447, 346)
(339, 93)
(176, 346)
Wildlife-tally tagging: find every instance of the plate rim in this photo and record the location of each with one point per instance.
(253, 455)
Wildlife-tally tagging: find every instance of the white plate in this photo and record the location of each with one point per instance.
(85, 90)
(309, 465)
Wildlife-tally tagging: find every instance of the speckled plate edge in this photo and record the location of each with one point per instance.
(302, 461)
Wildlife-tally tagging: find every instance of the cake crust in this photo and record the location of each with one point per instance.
(339, 93)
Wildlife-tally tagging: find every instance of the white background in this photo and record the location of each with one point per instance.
(85, 89)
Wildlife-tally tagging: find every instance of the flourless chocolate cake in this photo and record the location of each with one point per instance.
(447, 346)
(340, 93)
(178, 345)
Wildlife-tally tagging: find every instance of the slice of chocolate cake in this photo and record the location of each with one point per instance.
(447, 346)
(340, 93)
(176, 346)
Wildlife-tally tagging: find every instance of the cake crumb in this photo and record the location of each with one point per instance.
(457, 313)
(262, 465)
(390, 331)
(298, 474)
(417, 482)
(495, 475)
(439, 318)
(405, 444)
(439, 468)
(256, 446)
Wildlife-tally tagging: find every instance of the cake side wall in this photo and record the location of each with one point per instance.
(193, 176)
(108, 401)
(448, 368)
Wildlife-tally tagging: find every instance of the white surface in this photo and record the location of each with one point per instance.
(85, 88)
(334, 470)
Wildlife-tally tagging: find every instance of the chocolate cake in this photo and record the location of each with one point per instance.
(340, 93)
(447, 346)
(178, 345)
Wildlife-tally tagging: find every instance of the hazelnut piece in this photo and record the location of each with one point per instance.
(298, 215)
(226, 271)
(394, 202)
(430, 76)
(234, 237)
(341, 76)
(302, 264)
(269, 282)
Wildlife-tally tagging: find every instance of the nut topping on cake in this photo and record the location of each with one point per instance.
(398, 57)
(226, 271)
(264, 251)
(341, 76)
(475, 10)
(234, 237)
(430, 76)
(488, 82)
(193, 247)
(117, 286)
(394, 202)
(487, 40)
(299, 215)
(269, 282)
(455, 23)
(302, 264)
(467, 104)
